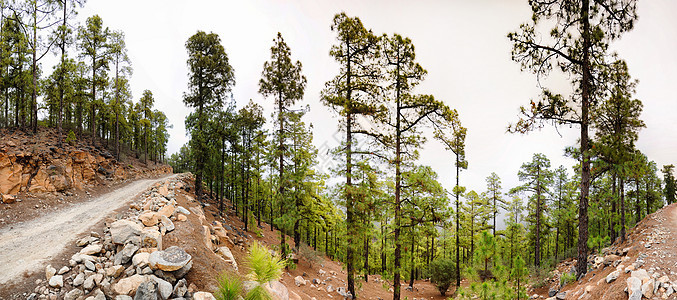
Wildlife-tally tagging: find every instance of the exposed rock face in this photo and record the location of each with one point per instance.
(172, 259)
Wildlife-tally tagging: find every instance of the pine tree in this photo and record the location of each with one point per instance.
(351, 94)
(578, 40)
(282, 80)
(210, 79)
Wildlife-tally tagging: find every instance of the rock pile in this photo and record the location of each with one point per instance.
(128, 259)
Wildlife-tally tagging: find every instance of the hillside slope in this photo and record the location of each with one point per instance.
(642, 267)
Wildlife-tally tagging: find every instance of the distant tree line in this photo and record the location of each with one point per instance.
(87, 94)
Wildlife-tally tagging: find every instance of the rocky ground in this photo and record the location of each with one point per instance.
(642, 267)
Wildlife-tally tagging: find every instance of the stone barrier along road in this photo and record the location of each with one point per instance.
(26, 246)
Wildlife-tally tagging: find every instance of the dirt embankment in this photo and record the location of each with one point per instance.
(38, 164)
(644, 266)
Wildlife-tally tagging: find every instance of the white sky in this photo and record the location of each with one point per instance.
(462, 44)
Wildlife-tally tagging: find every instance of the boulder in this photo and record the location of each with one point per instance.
(163, 190)
(147, 290)
(151, 238)
(125, 254)
(140, 258)
(167, 223)
(123, 230)
(203, 296)
(63, 270)
(641, 274)
(633, 284)
(167, 211)
(180, 273)
(277, 290)
(98, 295)
(49, 272)
(89, 283)
(73, 294)
(149, 218)
(90, 265)
(171, 259)
(79, 279)
(182, 210)
(114, 271)
(299, 281)
(180, 289)
(164, 288)
(181, 217)
(648, 289)
(612, 276)
(56, 281)
(91, 249)
(227, 255)
(128, 286)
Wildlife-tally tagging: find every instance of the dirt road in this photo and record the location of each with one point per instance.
(25, 246)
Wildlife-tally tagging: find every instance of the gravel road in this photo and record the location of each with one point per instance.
(26, 246)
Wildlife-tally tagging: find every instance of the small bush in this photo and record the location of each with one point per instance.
(71, 139)
(442, 273)
(230, 287)
(309, 254)
(567, 278)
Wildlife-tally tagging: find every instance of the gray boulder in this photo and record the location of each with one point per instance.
(147, 291)
(123, 230)
(171, 259)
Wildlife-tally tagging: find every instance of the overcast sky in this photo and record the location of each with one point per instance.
(462, 44)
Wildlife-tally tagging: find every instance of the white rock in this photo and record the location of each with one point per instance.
(63, 270)
(56, 281)
(49, 272)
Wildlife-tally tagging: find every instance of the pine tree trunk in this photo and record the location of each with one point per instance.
(582, 264)
(622, 191)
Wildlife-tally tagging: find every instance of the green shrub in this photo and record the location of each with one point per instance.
(567, 278)
(442, 273)
(70, 138)
(264, 267)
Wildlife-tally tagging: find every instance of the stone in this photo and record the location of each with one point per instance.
(90, 265)
(180, 289)
(664, 279)
(180, 273)
(73, 294)
(151, 238)
(294, 296)
(182, 210)
(277, 289)
(171, 259)
(641, 274)
(91, 249)
(126, 254)
(561, 296)
(8, 199)
(612, 276)
(599, 260)
(163, 190)
(330, 288)
(49, 272)
(56, 281)
(128, 286)
(140, 258)
(181, 217)
(167, 223)
(299, 281)
(123, 297)
(203, 296)
(167, 211)
(648, 288)
(147, 290)
(149, 218)
(123, 230)
(63, 270)
(610, 259)
(114, 271)
(636, 295)
(99, 295)
(552, 292)
(81, 258)
(589, 288)
(227, 255)
(79, 279)
(164, 288)
(89, 283)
